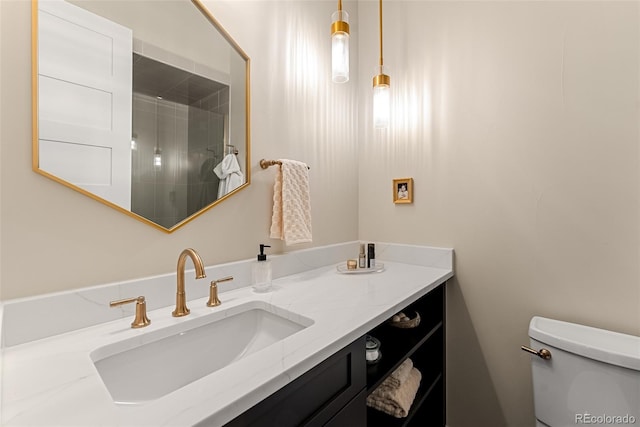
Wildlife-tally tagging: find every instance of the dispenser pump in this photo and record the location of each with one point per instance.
(262, 256)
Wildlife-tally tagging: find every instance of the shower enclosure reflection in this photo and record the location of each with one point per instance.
(180, 128)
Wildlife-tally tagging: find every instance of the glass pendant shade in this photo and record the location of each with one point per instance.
(381, 89)
(381, 99)
(157, 158)
(340, 46)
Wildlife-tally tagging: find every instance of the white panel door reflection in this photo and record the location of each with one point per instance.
(85, 86)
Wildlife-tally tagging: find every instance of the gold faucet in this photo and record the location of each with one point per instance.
(181, 301)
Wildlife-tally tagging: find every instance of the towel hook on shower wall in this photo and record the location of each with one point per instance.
(266, 163)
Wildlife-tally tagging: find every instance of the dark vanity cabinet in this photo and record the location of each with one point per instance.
(334, 392)
(330, 394)
(425, 345)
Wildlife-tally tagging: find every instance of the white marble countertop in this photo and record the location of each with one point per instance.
(52, 381)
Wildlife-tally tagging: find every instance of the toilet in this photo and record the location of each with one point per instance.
(591, 376)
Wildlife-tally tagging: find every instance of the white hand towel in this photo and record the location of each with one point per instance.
(291, 219)
(231, 177)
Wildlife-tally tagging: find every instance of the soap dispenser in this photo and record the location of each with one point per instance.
(261, 272)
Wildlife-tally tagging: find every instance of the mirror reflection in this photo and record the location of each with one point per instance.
(137, 112)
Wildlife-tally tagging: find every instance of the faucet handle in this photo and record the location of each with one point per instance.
(141, 320)
(213, 291)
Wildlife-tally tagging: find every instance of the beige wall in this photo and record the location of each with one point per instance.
(53, 238)
(519, 123)
(517, 120)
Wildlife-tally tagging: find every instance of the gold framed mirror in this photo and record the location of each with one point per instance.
(142, 105)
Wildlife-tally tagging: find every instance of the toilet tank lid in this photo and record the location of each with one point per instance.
(598, 344)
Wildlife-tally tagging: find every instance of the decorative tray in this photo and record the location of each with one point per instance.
(342, 268)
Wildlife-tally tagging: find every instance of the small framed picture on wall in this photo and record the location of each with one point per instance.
(403, 190)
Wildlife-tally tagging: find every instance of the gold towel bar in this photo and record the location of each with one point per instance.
(266, 163)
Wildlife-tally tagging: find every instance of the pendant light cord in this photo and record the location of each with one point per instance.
(380, 8)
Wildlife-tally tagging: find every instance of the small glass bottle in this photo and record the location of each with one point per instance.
(362, 259)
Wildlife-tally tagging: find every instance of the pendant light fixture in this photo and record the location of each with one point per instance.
(157, 158)
(340, 45)
(381, 89)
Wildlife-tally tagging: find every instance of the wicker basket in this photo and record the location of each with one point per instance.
(402, 321)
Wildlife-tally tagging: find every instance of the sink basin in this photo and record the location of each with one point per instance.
(145, 368)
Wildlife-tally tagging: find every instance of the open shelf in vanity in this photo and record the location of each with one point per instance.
(425, 345)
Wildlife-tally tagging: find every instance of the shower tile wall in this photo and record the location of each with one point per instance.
(191, 140)
(159, 193)
(206, 148)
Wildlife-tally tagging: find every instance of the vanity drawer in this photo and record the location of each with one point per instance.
(316, 397)
(352, 415)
